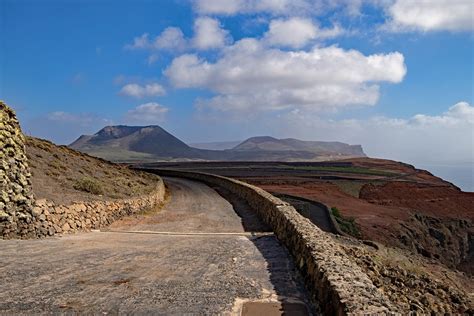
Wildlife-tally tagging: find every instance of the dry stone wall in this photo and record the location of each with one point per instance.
(51, 219)
(23, 217)
(336, 282)
(16, 198)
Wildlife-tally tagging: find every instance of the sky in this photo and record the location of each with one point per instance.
(393, 75)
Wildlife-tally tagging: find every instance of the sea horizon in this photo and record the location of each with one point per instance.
(460, 174)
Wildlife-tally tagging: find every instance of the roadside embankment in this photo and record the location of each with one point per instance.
(51, 219)
(332, 278)
(22, 215)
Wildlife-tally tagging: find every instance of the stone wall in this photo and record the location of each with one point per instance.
(51, 219)
(333, 279)
(16, 198)
(23, 217)
(334, 225)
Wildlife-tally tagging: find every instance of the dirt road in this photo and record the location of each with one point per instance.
(171, 269)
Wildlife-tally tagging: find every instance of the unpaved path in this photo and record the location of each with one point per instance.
(195, 208)
(122, 273)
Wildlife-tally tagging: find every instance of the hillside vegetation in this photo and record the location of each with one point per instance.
(64, 175)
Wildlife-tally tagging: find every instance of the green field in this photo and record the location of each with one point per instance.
(355, 170)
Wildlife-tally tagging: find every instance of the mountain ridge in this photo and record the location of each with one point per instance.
(123, 143)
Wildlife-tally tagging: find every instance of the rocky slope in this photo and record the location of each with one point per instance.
(415, 284)
(440, 224)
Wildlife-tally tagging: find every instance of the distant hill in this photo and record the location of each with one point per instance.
(149, 143)
(266, 143)
(126, 143)
(216, 145)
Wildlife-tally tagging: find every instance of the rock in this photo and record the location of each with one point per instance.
(57, 229)
(4, 216)
(66, 227)
(36, 211)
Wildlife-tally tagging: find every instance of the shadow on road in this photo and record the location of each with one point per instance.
(285, 278)
(250, 220)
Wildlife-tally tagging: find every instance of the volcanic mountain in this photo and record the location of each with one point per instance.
(145, 143)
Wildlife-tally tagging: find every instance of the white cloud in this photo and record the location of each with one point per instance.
(297, 32)
(457, 114)
(172, 38)
(232, 7)
(431, 15)
(208, 34)
(148, 113)
(420, 139)
(152, 59)
(140, 42)
(249, 76)
(138, 91)
(279, 6)
(219, 6)
(293, 32)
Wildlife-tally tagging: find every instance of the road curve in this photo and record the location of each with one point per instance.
(193, 207)
(120, 273)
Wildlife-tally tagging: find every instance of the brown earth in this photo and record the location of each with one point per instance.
(375, 221)
(433, 200)
(56, 170)
(433, 221)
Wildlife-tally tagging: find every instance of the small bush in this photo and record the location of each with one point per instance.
(347, 225)
(89, 185)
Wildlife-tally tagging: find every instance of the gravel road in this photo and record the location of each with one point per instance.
(118, 272)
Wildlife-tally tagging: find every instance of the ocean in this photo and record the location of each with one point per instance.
(460, 174)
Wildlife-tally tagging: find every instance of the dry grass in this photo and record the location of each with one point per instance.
(63, 175)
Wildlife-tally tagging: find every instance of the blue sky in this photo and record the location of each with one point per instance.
(393, 75)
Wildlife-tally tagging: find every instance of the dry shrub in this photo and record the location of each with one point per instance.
(89, 185)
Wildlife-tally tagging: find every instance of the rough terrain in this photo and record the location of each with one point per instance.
(390, 202)
(172, 272)
(57, 171)
(412, 282)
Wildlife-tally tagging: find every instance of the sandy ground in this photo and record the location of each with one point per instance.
(121, 273)
(195, 208)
